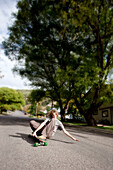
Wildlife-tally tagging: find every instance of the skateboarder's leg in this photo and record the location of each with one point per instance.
(46, 131)
(34, 125)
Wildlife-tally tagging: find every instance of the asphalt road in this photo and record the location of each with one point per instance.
(93, 152)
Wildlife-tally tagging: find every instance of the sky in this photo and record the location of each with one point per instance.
(9, 79)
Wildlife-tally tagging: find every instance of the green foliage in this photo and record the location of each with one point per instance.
(36, 95)
(36, 40)
(45, 101)
(90, 26)
(26, 94)
(32, 109)
(66, 47)
(10, 99)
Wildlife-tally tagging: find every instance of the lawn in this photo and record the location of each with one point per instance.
(105, 127)
(84, 124)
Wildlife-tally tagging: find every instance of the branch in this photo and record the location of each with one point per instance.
(108, 58)
(79, 106)
(107, 27)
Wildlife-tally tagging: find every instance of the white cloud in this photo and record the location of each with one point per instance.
(6, 8)
(9, 80)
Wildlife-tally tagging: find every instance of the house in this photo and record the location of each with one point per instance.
(104, 114)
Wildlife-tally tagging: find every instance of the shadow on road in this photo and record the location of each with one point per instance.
(30, 140)
(62, 141)
(23, 136)
(13, 120)
(77, 131)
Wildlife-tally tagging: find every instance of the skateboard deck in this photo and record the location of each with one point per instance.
(38, 141)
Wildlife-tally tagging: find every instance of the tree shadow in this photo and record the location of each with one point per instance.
(77, 131)
(29, 139)
(8, 120)
(25, 137)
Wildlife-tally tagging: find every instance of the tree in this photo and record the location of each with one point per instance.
(66, 49)
(35, 97)
(91, 23)
(10, 99)
(35, 40)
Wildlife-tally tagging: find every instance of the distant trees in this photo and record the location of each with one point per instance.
(25, 93)
(35, 97)
(10, 99)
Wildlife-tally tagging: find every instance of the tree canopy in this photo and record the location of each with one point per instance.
(65, 48)
(36, 42)
(92, 24)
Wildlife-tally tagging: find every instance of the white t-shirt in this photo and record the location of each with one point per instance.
(58, 125)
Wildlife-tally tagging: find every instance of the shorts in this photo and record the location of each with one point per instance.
(46, 131)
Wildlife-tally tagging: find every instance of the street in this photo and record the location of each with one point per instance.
(17, 151)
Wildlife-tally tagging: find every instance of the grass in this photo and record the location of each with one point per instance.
(74, 123)
(31, 116)
(105, 127)
(110, 127)
(4, 113)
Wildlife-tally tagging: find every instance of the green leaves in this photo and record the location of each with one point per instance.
(65, 46)
(11, 99)
(36, 95)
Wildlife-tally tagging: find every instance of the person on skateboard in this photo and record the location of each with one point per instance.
(49, 127)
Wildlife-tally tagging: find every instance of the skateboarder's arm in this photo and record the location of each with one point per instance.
(41, 126)
(68, 134)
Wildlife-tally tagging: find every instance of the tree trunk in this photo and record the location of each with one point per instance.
(62, 113)
(74, 113)
(90, 120)
(88, 115)
(63, 110)
(37, 108)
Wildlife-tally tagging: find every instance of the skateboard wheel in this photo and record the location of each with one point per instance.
(36, 144)
(45, 143)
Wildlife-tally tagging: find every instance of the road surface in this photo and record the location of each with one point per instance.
(93, 152)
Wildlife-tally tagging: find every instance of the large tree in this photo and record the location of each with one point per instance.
(92, 25)
(36, 43)
(64, 47)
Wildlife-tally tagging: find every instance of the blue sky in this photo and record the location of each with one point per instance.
(10, 79)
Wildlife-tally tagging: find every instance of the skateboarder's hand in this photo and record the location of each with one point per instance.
(34, 134)
(76, 139)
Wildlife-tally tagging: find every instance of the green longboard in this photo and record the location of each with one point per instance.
(39, 141)
(40, 144)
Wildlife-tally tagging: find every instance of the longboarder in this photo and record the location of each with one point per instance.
(49, 127)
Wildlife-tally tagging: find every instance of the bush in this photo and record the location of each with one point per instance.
(10, 99)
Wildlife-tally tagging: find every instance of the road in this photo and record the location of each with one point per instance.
(93, 152)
